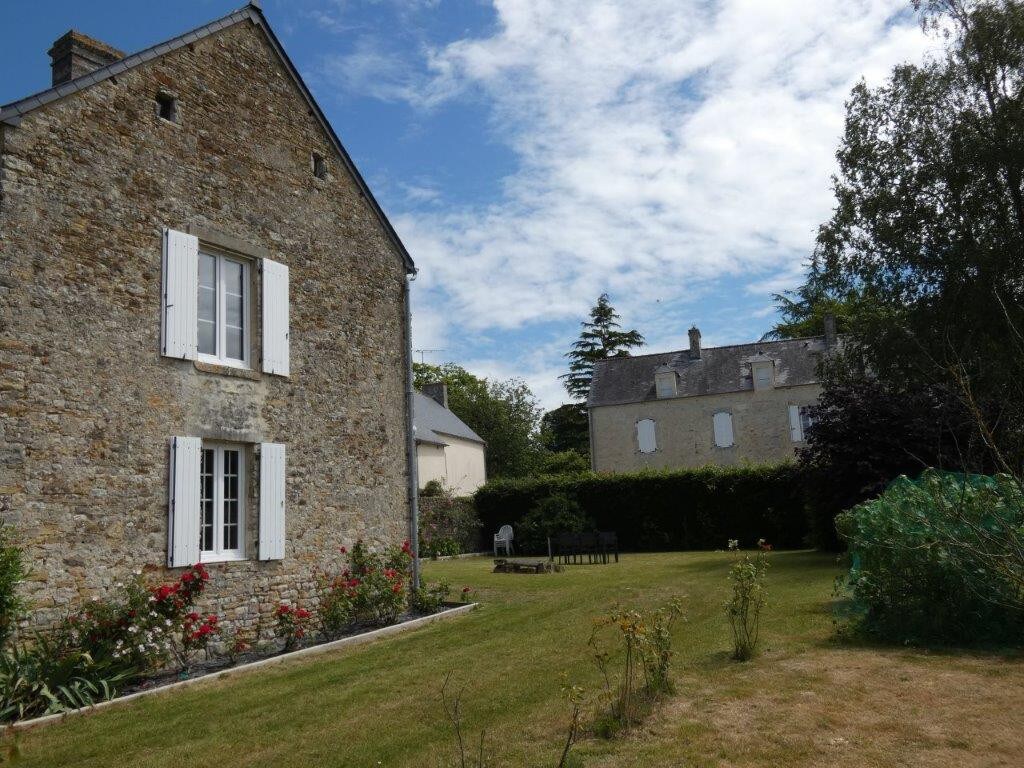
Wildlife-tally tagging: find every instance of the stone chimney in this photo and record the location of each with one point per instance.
(830, 330)
(75, 54)
(437, 391)
(695, 343)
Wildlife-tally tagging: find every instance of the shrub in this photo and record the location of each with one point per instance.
(41, 679)
(292, 625)
(646, 646)
(747, 577)
(448, 526)
(137, 630)
(564, 463)
(682, 509)
(432, 488)
(554, 514)
(429, 598)
(196, 634)
(371, 590)
(236, 644)
(939, 560)
(12, 571)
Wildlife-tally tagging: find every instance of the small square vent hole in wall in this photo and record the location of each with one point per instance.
(167, 107)
(319, 166)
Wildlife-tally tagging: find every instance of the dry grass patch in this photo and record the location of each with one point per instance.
(841, 707)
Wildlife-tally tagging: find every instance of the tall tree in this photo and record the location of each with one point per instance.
(803, 312)
(925, 251)
(504, 413)
(565, 429)
(602, 337)
(928, 228)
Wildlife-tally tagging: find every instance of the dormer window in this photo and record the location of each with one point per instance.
(764, 374)
(665, 382)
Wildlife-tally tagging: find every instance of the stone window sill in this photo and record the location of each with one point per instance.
(227, 370)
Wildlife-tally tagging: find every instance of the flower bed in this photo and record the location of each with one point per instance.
(221, 670)
(147, 637)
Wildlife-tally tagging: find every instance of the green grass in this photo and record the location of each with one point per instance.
(380, 704)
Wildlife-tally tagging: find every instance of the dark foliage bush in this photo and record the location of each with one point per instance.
(939, 560)
(553, 515)
(683, 509)
(867, 433)
(448, 526)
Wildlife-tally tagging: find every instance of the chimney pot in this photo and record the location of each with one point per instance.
(437, 391)
(830, 330)
(75, 54)
(695, 343)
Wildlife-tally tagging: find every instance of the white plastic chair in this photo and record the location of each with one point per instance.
(503, 538)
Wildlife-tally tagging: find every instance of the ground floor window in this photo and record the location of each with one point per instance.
(221, 502)
(800, 420)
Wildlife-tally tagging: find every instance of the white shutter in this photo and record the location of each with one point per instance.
(179, 324)
(275, 318)
(646, 439)
(723, 429)
(796, 430)
(183, 512)
(272, 490)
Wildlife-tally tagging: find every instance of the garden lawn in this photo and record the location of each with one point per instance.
(805, 701)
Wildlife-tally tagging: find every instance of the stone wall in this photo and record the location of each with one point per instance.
(87, 403)
(685, 435)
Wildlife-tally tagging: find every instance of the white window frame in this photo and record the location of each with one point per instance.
(219, 553)
(653, 435)
(714, 429)
(220, 324)
(801, 423)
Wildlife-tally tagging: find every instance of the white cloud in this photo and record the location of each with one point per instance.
(664, 147)
(661, 143)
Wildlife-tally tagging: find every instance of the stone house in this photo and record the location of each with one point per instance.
(204, 347)
(723, 406)
(447, 450)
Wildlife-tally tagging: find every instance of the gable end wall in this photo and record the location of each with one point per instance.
(87, 404)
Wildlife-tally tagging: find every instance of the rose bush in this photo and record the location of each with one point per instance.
(137, 630)
(292, 624)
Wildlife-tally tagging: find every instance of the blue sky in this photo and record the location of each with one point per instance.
(535, 153)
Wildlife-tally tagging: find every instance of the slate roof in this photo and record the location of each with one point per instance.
(432, 422)
(620, 380)
(12, 113)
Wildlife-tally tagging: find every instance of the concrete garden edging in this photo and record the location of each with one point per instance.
(313, 650)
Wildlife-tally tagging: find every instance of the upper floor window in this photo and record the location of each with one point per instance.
(223, 310)
(722, 424)
(221, 502)
(208, 310)
(646, 437)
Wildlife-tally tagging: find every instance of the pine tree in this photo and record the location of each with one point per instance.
(600, 338)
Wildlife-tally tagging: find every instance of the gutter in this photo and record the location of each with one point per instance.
(410, 436)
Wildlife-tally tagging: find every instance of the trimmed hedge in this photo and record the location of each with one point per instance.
(670, 510)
